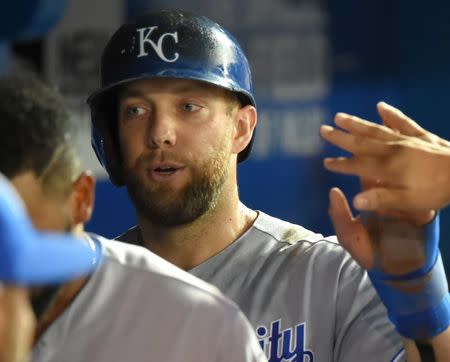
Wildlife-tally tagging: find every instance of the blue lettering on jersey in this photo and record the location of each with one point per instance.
(284, 345)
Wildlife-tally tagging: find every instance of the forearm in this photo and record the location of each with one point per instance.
(441, 346)
(438, 351)
(418, 303)
(16, 325)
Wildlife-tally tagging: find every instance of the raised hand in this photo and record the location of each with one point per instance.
(409, 166)
(388, 243)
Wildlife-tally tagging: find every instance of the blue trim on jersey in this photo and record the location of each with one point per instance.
(397, 356)
(98, 248)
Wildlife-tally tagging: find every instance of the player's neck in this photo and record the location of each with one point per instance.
(62, 300)
(189, 245)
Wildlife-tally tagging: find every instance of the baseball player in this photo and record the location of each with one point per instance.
(30, 259)
(174, 115)
(398, 156)
(134, 306)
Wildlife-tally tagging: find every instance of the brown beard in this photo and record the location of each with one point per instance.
(161, 205)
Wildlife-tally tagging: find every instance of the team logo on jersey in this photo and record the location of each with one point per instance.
(145, 37)
(284, 345)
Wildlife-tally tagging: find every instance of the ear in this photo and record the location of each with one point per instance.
(83, 197)
(245, 123)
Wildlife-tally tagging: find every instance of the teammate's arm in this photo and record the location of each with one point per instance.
(405, 268)
(441, 346)
(17, 324)
(411, 166)
(436, 349)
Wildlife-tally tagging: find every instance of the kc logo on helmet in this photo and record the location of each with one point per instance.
(145, 37)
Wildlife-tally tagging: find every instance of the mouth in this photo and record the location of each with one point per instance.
(165, 172)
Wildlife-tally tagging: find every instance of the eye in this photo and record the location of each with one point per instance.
(134, 111)
(191, 107)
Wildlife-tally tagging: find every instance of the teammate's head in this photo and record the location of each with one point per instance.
(174, 115)
(166, 44)
(36, 149)
(37, 155)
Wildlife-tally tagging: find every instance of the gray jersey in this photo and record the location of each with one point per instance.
(138, 307)
(307, 299)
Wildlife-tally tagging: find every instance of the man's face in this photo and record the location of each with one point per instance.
(175, 138)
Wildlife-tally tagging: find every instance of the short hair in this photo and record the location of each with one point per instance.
(36, 132)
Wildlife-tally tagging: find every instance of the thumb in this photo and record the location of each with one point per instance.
(340, 213)
(350, 232)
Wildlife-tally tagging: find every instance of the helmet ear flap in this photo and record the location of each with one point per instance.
(104, 139)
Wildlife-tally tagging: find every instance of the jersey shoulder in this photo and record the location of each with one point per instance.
(279, 240)
(141, 264)
(288, 233)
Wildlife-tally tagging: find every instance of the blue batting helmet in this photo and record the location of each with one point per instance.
(168, 43)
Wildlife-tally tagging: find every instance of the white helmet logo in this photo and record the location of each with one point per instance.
(144, 37)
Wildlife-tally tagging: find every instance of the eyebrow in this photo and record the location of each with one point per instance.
(127, 93)
(182, 88)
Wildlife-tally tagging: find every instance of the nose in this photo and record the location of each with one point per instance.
(161, 130)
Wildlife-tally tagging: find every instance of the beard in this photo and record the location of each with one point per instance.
(162, 205)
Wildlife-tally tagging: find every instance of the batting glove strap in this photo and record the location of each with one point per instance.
(427, 236)
(419, 307)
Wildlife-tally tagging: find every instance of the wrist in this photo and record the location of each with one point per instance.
(417, 300)
(418, 307)
(395, 237)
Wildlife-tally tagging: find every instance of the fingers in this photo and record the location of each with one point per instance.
(355, 144)
(370, 183)
(359, 126)
(395, 202)
(365, 167)
(444, 143)
(395, 119)
(350, 232)
(377, 199)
